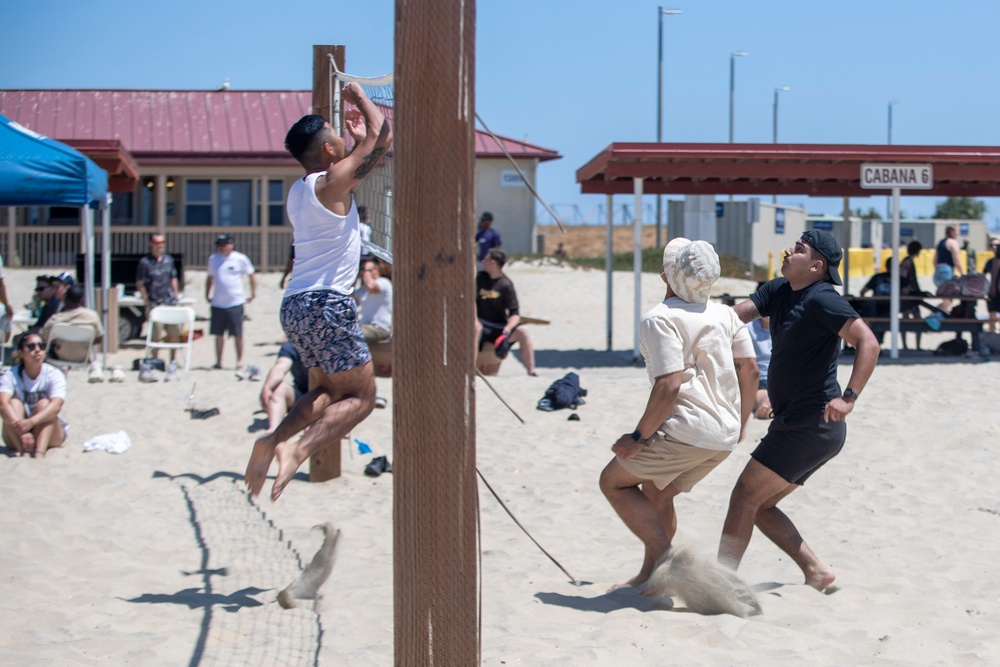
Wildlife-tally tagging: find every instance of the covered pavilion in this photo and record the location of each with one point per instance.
(816, 170)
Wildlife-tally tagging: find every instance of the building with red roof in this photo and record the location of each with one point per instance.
(189, 162)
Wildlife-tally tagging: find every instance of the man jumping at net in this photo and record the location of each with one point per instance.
(317, 313)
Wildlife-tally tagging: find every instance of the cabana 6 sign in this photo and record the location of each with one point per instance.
(903, 176)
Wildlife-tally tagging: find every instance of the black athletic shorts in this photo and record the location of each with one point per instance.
(227, 319)
(798, 445)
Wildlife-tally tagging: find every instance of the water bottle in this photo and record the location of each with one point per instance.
(190, 399)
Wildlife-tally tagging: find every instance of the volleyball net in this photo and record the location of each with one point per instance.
(374, 193)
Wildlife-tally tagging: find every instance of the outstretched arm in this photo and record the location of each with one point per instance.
(746, 311)
(372, 143)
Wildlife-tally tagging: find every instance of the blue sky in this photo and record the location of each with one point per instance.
(575, 76)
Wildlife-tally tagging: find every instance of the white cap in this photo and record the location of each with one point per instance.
(691, 268)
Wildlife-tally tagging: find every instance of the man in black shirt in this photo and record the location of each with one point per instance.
(808, 320)
(497, 316)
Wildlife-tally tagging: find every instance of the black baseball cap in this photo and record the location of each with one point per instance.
(827, 246)
(223, 239)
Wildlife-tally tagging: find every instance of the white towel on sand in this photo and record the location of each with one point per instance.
(113, 443)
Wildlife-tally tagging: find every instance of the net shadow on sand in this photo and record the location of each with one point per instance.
(245, 560)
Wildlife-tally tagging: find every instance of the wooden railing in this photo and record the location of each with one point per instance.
(56, 247)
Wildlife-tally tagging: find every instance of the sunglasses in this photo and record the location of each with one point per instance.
(31, 347)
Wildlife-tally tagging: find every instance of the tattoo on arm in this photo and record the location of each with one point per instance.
(746, 311)
(368, 163)
(738, 364)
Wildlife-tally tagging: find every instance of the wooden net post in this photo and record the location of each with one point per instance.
(434, 483)
(324, 465)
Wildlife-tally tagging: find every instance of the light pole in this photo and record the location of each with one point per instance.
(732, 88)
(888, 200)
(659, 115)
(779, 89)
(892, 103)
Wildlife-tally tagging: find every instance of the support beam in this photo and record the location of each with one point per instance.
(322, 85)
(434, 472)
(609, 265)
(637, 267)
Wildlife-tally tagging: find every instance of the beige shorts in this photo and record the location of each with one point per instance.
(664, 461)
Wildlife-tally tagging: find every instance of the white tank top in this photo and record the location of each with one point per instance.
(327, 245)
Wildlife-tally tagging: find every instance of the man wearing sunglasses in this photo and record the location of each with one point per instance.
(48, 289)
(156, 280)
(808, 320)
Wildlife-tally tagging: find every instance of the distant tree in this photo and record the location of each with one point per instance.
(960, 208)
(870, 214)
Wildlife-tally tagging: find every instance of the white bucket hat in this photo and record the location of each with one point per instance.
(691, 268)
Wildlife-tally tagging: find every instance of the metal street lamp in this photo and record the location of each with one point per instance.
(659, 115)
(779, 89)
(892, 103)
(732, 87)
(888, 200)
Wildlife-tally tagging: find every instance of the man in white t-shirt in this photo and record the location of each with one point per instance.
(374, 299)
(226, 269)
(701, 364)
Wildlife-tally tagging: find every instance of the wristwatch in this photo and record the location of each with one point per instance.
(850, 395)
(636, 435)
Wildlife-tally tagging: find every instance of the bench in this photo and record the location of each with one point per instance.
(958, 325)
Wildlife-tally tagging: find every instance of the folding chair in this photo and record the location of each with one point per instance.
(65, 332)
(179, 315)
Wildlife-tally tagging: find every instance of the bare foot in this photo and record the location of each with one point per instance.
(260, 462)
(822, 579)
(636, 581)
(290, 456)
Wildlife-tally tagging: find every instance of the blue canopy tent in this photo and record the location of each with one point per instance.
(38, 171)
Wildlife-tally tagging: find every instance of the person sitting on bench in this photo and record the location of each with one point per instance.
(497, 318)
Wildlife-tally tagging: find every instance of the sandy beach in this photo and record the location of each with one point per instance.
(157, 557)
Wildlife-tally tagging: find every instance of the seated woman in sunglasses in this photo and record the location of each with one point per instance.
(32, 394)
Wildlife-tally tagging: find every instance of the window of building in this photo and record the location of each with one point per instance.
(275, 204)
(63, 215)
(198, 203)
(123, 208)
(234, 204)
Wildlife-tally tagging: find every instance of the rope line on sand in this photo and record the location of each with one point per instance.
(572, 579)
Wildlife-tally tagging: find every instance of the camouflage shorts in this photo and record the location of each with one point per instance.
(323, 327)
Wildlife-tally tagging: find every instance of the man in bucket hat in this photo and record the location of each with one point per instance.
(701, 364)
(808, 321)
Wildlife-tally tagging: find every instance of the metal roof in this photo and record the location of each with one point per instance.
(181, 126)
(822, 170)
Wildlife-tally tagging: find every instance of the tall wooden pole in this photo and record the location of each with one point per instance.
(324, 465)
(321, 76)
(434, 484)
